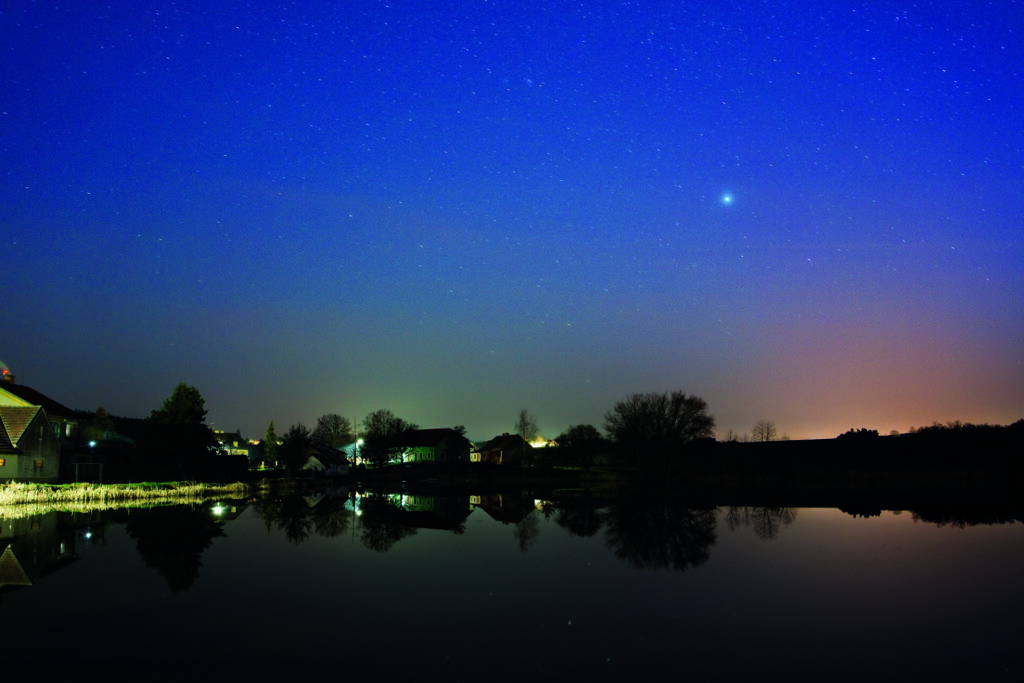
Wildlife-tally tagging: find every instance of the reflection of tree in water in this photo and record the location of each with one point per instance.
(963, 517)
(293, 515)
(172, 540)
(767, 521)
(527, 530)
(266, 508)
(579, 517)
(293, 519)
(660, 532)
(382, 524)
(332, 521)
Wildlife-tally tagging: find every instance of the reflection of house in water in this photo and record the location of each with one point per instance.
(446, 513)
(31, 548)
(507, 508)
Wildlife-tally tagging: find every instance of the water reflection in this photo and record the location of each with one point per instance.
(660, 532)
(172, 540)
(580, 516)
(32, 547)
(766, 521)
(383, 523)
(600, 584)
(645, 530)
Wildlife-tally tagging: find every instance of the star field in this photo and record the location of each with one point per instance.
(800, 213)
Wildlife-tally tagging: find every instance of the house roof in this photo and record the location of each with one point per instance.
(15, 420)
(427, 437)
(327, 456)
(504, 441)
(11, 571)
(37, 398)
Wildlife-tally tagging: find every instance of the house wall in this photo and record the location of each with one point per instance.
(455, 449)
(420, 454)
(38, 456)
(449, 449)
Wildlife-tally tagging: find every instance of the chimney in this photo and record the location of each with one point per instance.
(8, 376)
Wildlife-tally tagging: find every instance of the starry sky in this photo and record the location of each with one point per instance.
(800, 211)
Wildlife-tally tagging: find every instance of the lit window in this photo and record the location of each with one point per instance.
(3, 462)
(39, 464)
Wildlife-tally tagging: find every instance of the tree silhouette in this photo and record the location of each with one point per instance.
(270, 446)
(579, 443)
(382, 436)
(178, 435)
(654, 427)
(763, 430)
(294, 447)
(332, 430)
(526, 426)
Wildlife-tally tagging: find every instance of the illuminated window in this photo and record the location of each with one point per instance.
(39, 464)
(3, 462)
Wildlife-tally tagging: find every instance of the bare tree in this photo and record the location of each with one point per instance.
(764, 430)
(382, 436)
(332, 430)
(655, 427)
(526, 426)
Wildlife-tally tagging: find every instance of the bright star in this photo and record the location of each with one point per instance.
(727, 199)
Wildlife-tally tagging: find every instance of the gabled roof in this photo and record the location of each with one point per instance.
(37, 399)
(15, 420)
(328, 457)
(504, 441)
(11, 571)
(426, 437)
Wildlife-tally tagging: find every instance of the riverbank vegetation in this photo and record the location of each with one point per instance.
(77, 497)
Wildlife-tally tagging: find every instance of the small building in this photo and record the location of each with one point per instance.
(507, 449)
(325, 460)
(29, 449)
(232, 443)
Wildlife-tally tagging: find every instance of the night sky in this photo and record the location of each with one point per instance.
(800, 211)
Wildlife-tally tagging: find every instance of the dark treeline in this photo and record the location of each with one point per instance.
(665, 437)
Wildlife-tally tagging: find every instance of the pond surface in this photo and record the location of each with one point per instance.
(502, 587)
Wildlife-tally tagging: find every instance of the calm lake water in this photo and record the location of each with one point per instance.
(504, 587)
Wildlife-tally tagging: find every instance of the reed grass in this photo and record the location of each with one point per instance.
(19, 499)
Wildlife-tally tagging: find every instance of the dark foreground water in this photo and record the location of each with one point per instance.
(510, 588)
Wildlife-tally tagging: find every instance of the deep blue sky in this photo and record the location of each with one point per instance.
(455, 210)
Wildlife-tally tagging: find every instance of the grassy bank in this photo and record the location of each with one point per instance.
(17, 499)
